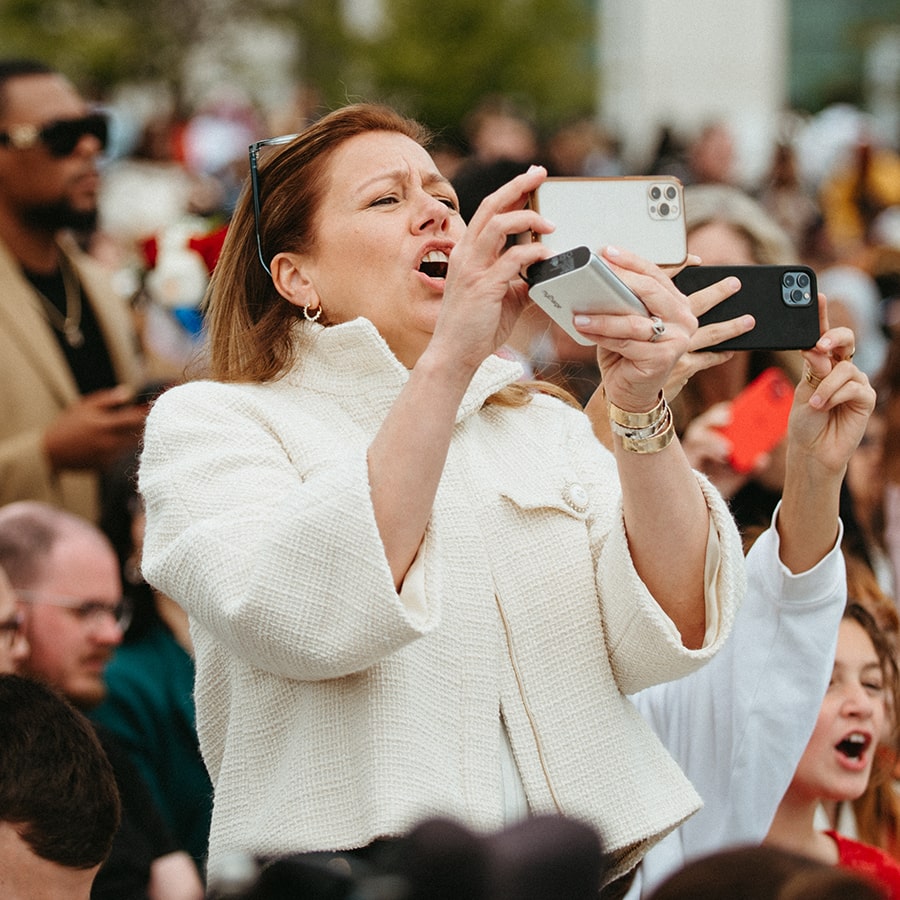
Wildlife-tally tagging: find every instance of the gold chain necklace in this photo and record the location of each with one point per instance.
(69, 325)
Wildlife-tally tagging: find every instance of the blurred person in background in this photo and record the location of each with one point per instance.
(583, 149)
(859, 187)
(858, 713)
(59, 803)
(888, 385)
(712, 155)
(152, 207)
(69, 360)
(66, 576)
(784, 195)
(502, 142)
(149, 700)
(866, 487)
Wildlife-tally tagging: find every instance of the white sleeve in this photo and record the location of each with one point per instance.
(738, 726)
(283, 563)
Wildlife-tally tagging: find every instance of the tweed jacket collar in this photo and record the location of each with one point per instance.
(353, 358)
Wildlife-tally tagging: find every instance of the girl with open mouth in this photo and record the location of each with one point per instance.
(856, 715)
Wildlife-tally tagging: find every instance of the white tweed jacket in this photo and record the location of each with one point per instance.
(333, 710)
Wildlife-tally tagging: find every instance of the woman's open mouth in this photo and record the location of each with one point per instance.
(852, 749)
(434, 264)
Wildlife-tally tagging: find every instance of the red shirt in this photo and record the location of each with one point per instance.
(869, 861)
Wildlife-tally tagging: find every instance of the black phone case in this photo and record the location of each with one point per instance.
(781, 324)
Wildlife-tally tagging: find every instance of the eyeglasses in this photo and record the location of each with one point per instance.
(254, 184)
(60, 137)
(11, 629)
(90, 613)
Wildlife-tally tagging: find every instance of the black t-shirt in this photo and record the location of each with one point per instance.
(142, 836)
(90, 363)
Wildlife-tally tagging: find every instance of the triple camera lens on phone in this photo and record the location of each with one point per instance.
(663, 201)
(795, 289)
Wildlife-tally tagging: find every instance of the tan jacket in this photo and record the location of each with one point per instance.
(333, 710)
(36, 383)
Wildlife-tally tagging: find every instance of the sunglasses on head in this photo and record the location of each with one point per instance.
(254, 150)
(60, 137)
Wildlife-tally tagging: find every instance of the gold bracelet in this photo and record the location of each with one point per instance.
(643, 434)
(653, 444)
(636, 420)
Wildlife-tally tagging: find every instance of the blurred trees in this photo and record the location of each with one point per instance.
(433, 60)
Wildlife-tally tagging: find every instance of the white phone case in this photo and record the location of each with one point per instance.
(642, 214)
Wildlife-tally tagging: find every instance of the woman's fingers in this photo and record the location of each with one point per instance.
(716, 332)
(691, 363)
(705, 299)
(509, 197)
(690, 260)
(836, 344)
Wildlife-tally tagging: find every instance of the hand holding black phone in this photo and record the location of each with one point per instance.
(783, 300)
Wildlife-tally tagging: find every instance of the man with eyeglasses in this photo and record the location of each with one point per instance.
(65, 575)
(69, 361)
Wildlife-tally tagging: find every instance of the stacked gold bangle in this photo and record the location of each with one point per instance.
(647, 432)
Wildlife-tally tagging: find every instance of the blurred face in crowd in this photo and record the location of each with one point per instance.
(838, 760)
(46, 191)
(718, 244)
(13, 645)
(70, 620)
(385, 228)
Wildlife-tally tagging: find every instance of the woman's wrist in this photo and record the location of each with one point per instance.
(450, 372)
(643, 432)
(628, 418)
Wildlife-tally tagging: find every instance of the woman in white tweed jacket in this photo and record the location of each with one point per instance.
(415, 586)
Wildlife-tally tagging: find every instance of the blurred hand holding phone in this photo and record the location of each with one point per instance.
(759, 418)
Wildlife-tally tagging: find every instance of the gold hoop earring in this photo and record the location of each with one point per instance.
(310, 318)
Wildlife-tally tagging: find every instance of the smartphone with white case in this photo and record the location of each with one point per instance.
(642, 214)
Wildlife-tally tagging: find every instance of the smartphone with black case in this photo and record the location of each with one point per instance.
(578, 281)
(643, 214)
(783, 300)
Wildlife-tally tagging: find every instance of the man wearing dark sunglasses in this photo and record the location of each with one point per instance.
(69, 361)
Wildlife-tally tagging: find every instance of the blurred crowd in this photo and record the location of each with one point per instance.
(832, 183)
(829, 198)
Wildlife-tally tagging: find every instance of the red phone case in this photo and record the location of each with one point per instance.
(759, 418)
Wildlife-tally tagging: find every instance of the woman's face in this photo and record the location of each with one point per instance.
(838, 758)
(385, 229)
(718, 244)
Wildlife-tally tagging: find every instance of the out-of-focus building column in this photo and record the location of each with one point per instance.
(683, 63)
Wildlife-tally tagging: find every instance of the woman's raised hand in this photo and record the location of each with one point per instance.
(484, 293)
(637, 353)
